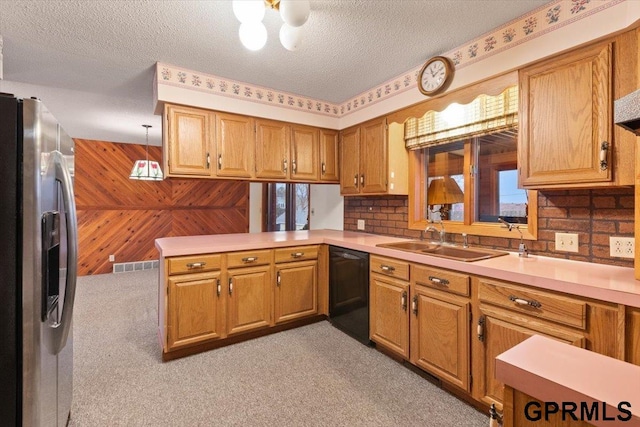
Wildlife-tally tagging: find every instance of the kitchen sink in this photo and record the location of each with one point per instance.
(452, 252)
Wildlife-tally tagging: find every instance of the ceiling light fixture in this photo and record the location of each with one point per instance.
(253, 33)
(144, 169)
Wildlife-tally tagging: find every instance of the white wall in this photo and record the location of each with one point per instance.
(255, 207)
(327, 207)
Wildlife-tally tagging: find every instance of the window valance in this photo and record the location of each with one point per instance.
(484, 115)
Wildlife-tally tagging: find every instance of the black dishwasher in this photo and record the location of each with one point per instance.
(349, 292)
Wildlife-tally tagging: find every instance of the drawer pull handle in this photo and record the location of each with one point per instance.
(196, 264)
(404, 301)
(297, 254)
(218, 287)
(414, 305)
(521, 301)
(480, 329)
(278, 279)
(387, 268)
(249, 259)
(439, 281)
(230, 286)
(324, 168)
(355, 181)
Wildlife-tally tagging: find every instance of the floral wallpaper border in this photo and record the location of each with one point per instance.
(537, 23)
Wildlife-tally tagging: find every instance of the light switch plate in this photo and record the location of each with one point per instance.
(567, 242)
(361, 224)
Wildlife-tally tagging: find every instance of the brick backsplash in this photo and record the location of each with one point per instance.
(593, 214)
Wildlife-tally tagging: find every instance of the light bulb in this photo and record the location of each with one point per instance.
(295, 12)
(253, 36)
(248, 11)
(291, 37)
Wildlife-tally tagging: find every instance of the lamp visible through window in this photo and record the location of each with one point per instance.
(444, 192)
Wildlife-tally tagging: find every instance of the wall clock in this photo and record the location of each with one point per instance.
(435, 76)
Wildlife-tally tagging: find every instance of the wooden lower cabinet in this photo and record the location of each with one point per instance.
(499, 330)
(440, 334)
(389, 314)
(296, 291)
(249, 304)
(195, 309)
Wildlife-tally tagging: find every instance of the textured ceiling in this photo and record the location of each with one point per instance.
(92, 61)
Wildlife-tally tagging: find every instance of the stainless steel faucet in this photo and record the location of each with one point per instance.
(522, 248)
(441, 232)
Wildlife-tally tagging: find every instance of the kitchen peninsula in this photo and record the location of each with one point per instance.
(219, 289)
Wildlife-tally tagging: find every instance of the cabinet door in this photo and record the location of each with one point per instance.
(350, 161)
(235, 139)
(296, 292)
(389, 314)
(373, 157)
(249, 299)
(498, 331)
(304, 153)
(272, 150)
(329, 155)
(189, 141)
(565, 117)
(440, 335)
(194, 311)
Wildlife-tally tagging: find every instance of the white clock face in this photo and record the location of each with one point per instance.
(434, 76)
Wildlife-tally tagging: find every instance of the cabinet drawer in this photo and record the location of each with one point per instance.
(545, 305)
(389, 267)
(248, 258)
(296, 253)
(194, 264)
(445, 280)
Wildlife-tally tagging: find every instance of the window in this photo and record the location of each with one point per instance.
(469, 184)
(287, 207)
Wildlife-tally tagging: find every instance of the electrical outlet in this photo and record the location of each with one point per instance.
(567, 242)
(622, 247)
(361, 224)
(112, 258)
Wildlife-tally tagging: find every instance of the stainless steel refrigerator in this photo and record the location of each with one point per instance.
(38, 265)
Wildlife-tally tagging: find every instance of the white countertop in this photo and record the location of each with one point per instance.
(603, 282)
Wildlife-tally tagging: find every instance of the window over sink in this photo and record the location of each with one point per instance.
(465, 167)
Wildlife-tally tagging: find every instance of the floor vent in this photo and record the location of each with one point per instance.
(125, 267)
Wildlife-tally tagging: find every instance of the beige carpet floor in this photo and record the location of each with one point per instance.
(310, 376)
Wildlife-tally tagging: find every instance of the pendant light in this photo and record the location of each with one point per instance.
(144, 169)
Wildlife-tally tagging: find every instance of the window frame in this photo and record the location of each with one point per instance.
(418, 204)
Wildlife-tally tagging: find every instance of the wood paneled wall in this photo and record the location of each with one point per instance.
(123, 217)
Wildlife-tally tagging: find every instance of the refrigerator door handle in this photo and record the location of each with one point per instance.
(63, 176)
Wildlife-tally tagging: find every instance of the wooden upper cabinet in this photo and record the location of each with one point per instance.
(272, 149)
(373, 159)
(329, 155)
(235, 140)
(350, 161)
(304, 153)
(567, 137)
(188, 141)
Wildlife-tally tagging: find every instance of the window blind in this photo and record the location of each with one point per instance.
(484, 115)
